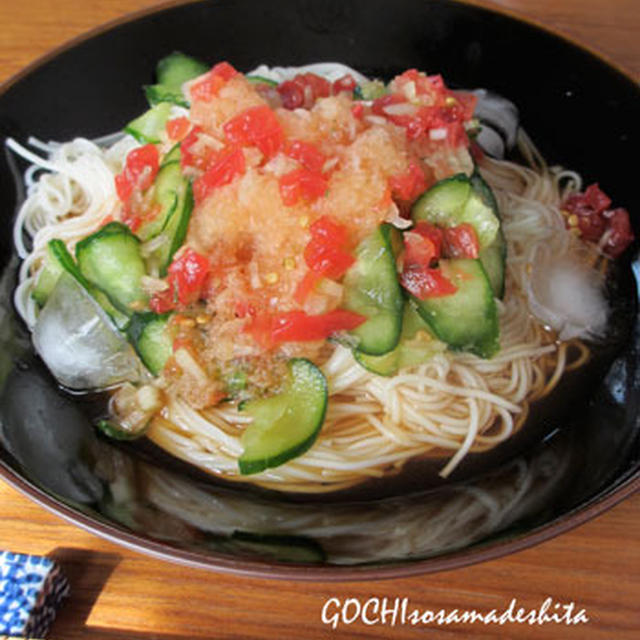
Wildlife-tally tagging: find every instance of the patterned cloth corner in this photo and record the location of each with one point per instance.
(31, 590)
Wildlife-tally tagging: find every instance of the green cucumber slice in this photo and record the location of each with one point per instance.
(261, 80)
(453, 201)
(417, 345)
(151, 338)
(466, 320)
(169, 182)
(175, 226)
(115, 431)
(49, 274)
(371, 288)
(148, 127)
(285, 425)
(110, 259)
(58, 261)
(494, 256)
(172, 72)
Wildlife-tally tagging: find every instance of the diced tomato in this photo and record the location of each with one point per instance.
(425, 282)
(163, 301)
(327, 255)
(327, 259)
(301, 183)
(141, 167)
(461, 241)
(419, 251)
(345, 83)
(224, 168)
(298, 326)
(596, 221)
(207, 86)
(257, 126)
(224, 70)
(435, 234)
(593, 200)
(178, 128)
(409, 185)
(291, 94)
(187, 279)
(357, 110)
(307, 154)
(330, 231)
(190, 155)
(303, 90)
(188, 274)
(619, 233)
(306, 286)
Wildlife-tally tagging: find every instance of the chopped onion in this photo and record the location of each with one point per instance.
(438, 134)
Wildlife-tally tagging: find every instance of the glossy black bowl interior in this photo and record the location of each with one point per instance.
(584, 456)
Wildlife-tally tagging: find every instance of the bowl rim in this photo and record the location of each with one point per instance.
(480, 552)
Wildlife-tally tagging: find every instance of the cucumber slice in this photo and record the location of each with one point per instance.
(114, 431)
(494, 256)
(176, 224)
(58, 261)
(110, 259)
(285, 425)
(168, 183)
(172, 156)
(148, 127)
(49, 274)
(417, 345)
(151, 338)
(371, 288)
(261, 80)
(466, 320)
(172, 72)
(453, 201)
(175, 69)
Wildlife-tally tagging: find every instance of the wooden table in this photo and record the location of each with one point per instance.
(121, 594)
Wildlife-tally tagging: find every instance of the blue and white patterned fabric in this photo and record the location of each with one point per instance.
(31, 588)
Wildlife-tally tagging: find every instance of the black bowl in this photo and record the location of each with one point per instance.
(581, 459)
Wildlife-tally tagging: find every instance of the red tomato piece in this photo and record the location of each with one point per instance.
(192, 155)
(297, 326)
(331, 231)
(301, 183)
(257, 126)
(141, 167)
(358, 110)
(619, 232)
(307, 154)
(206, 88)
(425, 282)
(224, 70)
(409, 185)
(461, 241)
(163, 301)
(345, 83)
(433, 233)
(328, 260)
(419, 251)
(178, 128)
(221, 171)
(188, 275)
(303, 90)
(306, 286)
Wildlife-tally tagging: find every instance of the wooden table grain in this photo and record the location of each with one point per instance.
(122, 594)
